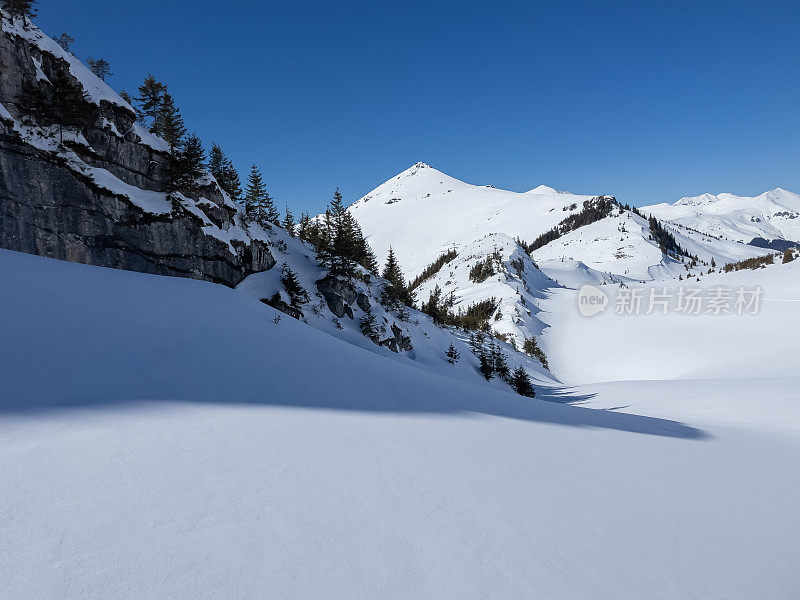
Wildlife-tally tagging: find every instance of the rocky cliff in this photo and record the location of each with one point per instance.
(94, 191)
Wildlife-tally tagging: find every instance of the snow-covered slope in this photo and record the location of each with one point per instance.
(165, 438)
(422, 212)
(429, 342)
(515, 285)
(772, 215)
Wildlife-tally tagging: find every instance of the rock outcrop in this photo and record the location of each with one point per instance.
(56, 199)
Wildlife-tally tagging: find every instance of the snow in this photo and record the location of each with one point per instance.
(164, 437)
(95, 87)
(4, 114)
(422, 212)
(150, 139)
(772, 215)
(676, 346)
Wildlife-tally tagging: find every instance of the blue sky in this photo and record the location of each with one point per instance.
(649, 101)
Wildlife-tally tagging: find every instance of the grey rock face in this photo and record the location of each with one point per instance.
(398, 342)
(363, 302)
(339, 295)
(46, 208)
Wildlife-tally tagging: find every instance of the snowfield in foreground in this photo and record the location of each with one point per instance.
(165, 438)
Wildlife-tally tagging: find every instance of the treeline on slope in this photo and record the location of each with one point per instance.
(661, 235)
(755, 262)
(433, 268)
(592, 210)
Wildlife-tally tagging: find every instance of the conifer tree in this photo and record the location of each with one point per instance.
(288, 222)
(452, 354)
(21, 8)
(297, 293)
(67, 104)
(224, 172)
(368, 324)
(65, 40)
(100, 67)
(304, 226)
(126, 96)
(521, 382)
(485, 365)
(433, 307)
(499, 362)
(187, 165)
(271, 213)
(234, 186)
(170, 122)
(397, 292)
(151, 95)
(254, 193)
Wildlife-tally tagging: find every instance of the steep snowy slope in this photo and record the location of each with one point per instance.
(772, 215)
(514, 285)
(422, 212)
(164, 438)
(426, 343)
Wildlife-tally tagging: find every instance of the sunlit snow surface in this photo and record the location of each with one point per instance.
(165, 438)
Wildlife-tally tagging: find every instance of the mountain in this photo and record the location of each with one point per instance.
(773, 215)
(422, 212)
(573, 240)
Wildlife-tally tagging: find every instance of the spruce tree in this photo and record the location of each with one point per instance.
(187, 165)
(297, 293)
(234, 186)
(499, 362)
(21, 8)
(271, 213)
(126, 96)
(151, 95)
(67, 104)
(254, 194)
(170, 122)
(288, 222)
(368, 324)
(521, 382)
(100, 67)
(304, 226)
(396, 293)
(65, 40)
(452, 354)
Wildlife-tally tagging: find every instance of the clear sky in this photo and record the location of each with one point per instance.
(649, 101)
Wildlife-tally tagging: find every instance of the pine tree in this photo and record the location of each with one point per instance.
(288, 222)
(297, 293)
(100, 67)
(396, 292)
(521, 382)
(234, 185)
(499, 362)
(531, 348)
(304, 226)
(433, 307)
(21, 8)
(224, 172)
(65, 40)
(126, 96)
(187, 165)
(254, 193)
(271, 213)
(343, 248)
(67, 104)
(485, 363)
(452, 354)
(170, 122)
(151, 95)
(368, 324)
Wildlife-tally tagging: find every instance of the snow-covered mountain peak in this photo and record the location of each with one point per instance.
(542, 189)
